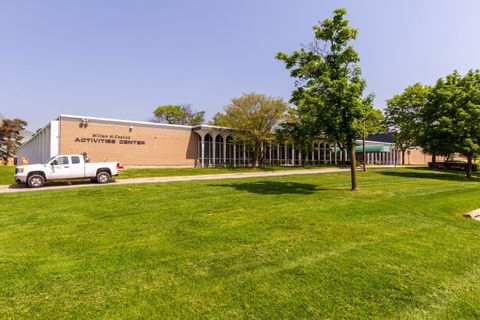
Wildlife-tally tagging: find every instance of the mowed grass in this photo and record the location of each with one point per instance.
(6, 175)
(284, 247)
(168, 172)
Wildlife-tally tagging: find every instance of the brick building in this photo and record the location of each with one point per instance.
(137, 143)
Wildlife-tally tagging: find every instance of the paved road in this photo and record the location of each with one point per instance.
(240, 175)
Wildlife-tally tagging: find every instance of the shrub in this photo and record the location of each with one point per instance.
(453, 165)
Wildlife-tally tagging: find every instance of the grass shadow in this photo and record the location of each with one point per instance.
(58, 183)
(428, 173)
(273, 187)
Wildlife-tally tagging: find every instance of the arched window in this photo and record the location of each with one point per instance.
(315, 153)
(229, 150)
(218, 149)
(199, 150)
(288, 154)
(208, 149)
(275, 154)
(322, 152)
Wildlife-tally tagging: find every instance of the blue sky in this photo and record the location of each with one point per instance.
(121, 59)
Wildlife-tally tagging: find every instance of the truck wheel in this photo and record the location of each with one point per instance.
(36, 181)
(103, 177)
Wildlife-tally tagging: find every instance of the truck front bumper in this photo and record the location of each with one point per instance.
(20, 178)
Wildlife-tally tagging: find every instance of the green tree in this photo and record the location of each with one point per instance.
(372, 123)
(403, 115)
(432, 133)
(11, 136)
(451, 118)
(294, 129)
(329, 87)
(468, 118)
(254, 117)
(179, 114)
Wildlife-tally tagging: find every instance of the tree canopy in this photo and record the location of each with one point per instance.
(255, 117)
(329, 86)
(403, 115)
(11, 136)
(179, 114)
(372, 123)
(451, 117)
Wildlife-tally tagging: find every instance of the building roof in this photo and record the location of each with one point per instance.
(109, 120)
(381, 137)
(132, 122)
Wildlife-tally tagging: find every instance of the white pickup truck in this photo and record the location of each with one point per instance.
(66, 167)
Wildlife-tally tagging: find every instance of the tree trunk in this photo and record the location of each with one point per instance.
(403, 156)
(261, 157)
(469, 167)
(434, 159)
(353, 166)
(364, 155)
(254, 156)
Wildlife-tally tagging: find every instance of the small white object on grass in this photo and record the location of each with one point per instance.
(475, 214)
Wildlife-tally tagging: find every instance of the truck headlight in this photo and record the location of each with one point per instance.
(19, 170)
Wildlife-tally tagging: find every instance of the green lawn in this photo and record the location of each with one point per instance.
(167, 172)
(6, 175)
(297, 247)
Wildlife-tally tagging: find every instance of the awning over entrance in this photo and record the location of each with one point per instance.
(372, 148)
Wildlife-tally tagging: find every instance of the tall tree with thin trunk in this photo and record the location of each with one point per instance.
(329, 86)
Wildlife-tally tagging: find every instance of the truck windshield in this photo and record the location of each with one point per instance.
(46, 162)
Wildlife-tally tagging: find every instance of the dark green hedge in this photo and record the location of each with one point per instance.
(458, 166)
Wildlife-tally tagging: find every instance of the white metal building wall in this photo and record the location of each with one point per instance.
(42, 146)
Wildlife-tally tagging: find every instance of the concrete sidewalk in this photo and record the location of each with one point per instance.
(240, 175)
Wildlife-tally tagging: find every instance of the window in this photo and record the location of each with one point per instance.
(75, 160)
(60, 161)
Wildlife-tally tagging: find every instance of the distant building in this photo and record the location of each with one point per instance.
(137, 143)
(414, 155)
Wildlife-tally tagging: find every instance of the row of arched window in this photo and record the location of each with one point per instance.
(218, 151)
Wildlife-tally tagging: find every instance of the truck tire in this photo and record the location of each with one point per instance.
(103, 177)
(35, 181)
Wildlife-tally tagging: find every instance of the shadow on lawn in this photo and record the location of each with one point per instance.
(273, 187)
(57, 183)
(423, 173)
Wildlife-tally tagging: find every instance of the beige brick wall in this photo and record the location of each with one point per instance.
(140, 145)
(417, 157)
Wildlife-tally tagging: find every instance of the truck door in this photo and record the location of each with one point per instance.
(59, 169)
(77, 168)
